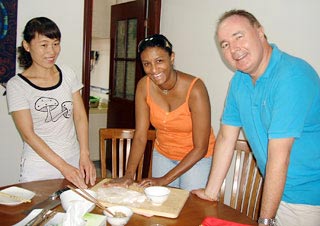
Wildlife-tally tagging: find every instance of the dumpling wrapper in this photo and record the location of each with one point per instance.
(120, 195)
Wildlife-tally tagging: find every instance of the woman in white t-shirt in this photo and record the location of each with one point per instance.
(47, 108)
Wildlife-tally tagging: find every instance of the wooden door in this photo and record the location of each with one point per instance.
(129, 24)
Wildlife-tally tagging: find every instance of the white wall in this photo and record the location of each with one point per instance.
(69, 17)
(101, 13)
(190, 26)
(10, 145)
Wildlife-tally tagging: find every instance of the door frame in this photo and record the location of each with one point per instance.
(154, 15)
(87, 37)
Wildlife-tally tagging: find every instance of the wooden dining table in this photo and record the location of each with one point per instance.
(193, 212)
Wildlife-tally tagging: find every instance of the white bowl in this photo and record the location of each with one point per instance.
(118, 221)
(69, 197)
(157, 194)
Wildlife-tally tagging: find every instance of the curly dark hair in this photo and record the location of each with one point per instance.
(155, 40)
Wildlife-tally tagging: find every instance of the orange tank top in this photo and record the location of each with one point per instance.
(174, 129)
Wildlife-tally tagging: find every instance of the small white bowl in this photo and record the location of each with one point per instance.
(157, 194)
(69, 197)
(118, 221)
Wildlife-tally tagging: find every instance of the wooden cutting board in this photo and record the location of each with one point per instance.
(171, 208)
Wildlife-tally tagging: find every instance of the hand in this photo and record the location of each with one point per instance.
(201, 194)
(74, 175)
(120, 182)
(152, 182)
(88, 170)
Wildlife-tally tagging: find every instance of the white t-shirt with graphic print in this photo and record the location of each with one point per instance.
(51, 110)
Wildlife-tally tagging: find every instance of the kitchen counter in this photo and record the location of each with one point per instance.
(98, 110)
(97, 120)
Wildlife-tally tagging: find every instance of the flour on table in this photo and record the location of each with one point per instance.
(120, 195)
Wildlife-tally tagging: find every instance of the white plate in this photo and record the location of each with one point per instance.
(91, 219)
(24, 193)
(56, 220)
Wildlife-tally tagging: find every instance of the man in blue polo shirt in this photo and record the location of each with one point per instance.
(275, 98)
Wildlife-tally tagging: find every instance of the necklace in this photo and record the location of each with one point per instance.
(166, 91)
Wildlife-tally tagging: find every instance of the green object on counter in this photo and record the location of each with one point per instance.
(94, 101)
(95, 219)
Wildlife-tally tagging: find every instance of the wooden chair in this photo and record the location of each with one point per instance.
(246, 182)
(117, 142)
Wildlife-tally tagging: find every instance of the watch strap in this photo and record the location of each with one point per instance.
(267, 221)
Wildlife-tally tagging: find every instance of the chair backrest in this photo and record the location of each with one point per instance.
(117, 144)
(246, 182)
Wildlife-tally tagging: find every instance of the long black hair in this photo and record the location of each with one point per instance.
(41, 26)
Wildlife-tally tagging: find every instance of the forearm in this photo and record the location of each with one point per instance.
(272, 192)
(222, 157)
(185, 164)
(221, 162)
(276, 173)
(81, 124)
(44, 151)
(136, 153)
(82, 130)
(24, 124)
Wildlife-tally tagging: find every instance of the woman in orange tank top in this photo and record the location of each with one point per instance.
(178, 106)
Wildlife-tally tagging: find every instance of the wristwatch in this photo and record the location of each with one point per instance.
(267, 221)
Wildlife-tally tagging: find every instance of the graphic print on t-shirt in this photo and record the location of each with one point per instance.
(47, 105)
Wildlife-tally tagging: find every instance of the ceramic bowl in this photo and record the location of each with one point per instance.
(69, 197)
(157, 194)
(118, 220)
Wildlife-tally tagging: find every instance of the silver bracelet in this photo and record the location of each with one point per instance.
(267, 221)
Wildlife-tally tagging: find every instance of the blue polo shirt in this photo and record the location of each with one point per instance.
(284, 103)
